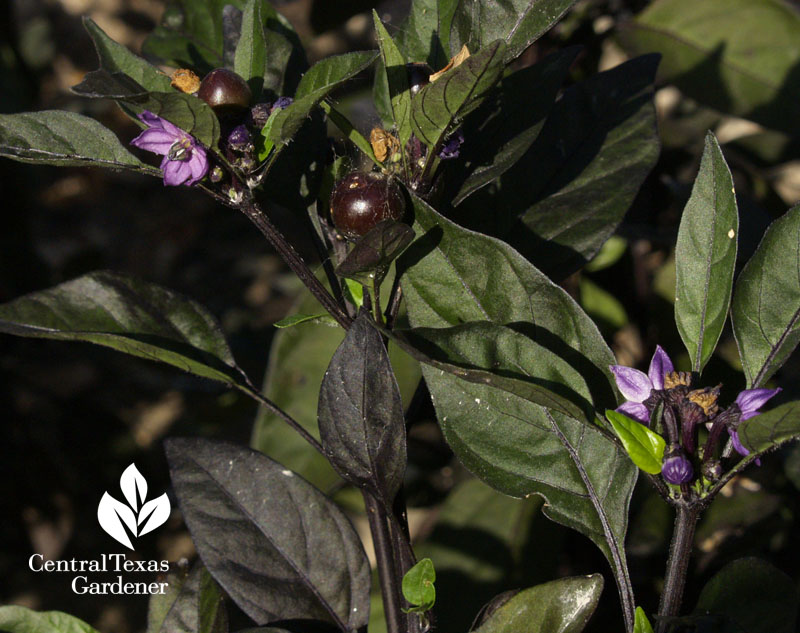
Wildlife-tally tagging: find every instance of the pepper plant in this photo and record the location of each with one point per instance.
(442, 236)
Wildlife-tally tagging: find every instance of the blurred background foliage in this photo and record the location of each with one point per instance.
(74, 416)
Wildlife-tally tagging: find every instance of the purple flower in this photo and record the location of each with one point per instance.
(636, 386)
(749, 402)
(281, 102)
(185, 162)
(677, 470)
(452, 145)
(239, 140)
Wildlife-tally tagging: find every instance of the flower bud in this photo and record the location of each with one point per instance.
(239, 140)
(259, 114)
(216, 174)
(712, 470)
(676, 468)
(281, 103)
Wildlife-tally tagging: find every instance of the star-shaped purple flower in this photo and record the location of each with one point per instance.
(185, 162)
(749, 402)
(636, 386)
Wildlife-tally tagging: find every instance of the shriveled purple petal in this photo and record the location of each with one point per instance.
(632, 383)
(750, 401)
(636, 411)
(660, 366)
(677, 470)
(739, 447)
(452, 146)
(154, 140)
(281, 102)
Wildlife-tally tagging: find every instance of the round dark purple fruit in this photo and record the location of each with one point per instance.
(418, 76)
(225, 91)
(361, 200)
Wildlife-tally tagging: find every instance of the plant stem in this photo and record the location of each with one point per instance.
(292, 258)
(680, 551)
(387, 571)
(275, 409)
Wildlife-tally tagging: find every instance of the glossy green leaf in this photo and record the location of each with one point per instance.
(766, 302)
(273, 522)
(360, 413)
(705, 256)
(57, 137)
(771, 429)
(24, 620)
(644, 447)
(320, 79)
(396, 76)
(131, 316)
(349, 131)
(750, 72)
(753, 594)
(115, 57)
(518, 23)
(418, 585)
(453, 276)
(192, 603)
(508, 122)
(436, 107)
(425, 34)
(641, 624)
(560, 606)
(250, 60)
(565, 197)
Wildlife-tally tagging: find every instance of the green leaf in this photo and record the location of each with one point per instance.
(373, 253)
(754, 594)
(349, 131)
(396, 76)
(454, 276)
(705, 256)
(131, 316)
(485, 353)
(560, 606)
(250, 60)
(565, 197)
(644, 447)
(608, 255)
(425, 34)
(57, 137)
(772, 429)
(360, 413)
(23, 620)
(115, 57)
(418, 587)
(601, 305)
(508, 122)
(436, 107)
(281, 537)
(641, 624)
(192, 603)
(320, 79)
(518, 23)
(297, 319)
(766, 302)
(749, 72)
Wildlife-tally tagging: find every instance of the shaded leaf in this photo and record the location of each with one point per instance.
(361, 422)
(131, 316)
(641, 624)
(754, 594)
(771, 429)
(766, 303)
(705, 256)
(565, 197)
(320, 79)
(24, 620)
(273, 521)
(560, 606)
(374, 252)
(644, 447)
(396, 77)
(297, 319)
(750, 72)
(250, 60)
(57, 137)
(424, 36)
(505, 126)
(115, 57)
(436, 107)
(518, 23)
(192, 603)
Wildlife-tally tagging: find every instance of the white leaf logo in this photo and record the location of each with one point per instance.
(139, 516)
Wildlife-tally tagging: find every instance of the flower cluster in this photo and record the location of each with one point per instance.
(684, 410)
